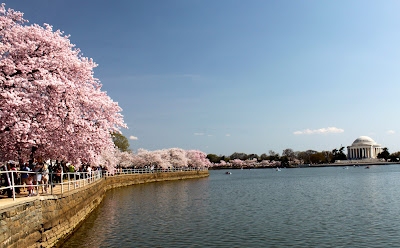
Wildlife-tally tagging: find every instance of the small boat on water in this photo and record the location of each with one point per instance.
(366, 167)
(228, 172)
(277, 169)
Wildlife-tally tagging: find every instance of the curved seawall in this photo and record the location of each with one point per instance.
(45, 221)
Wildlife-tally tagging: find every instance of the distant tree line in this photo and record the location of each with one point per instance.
(387, 156)
(288, 157)
(293, 158)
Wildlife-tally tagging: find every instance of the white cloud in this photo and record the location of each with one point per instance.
(320, 131)
(133, 138)
(390, 132)
(228, 135)
(198, 134)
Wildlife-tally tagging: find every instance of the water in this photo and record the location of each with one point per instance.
(304, 207)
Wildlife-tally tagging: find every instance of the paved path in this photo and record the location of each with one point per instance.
(6, 202)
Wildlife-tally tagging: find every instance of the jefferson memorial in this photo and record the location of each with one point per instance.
(364, 148)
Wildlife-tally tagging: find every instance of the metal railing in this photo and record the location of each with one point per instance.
(150, 170)
(66, 181)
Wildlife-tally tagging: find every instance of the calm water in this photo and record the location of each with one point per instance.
(305, 207)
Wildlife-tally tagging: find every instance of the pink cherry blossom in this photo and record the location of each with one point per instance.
(50, 103)
(170, 158)
(237, 163)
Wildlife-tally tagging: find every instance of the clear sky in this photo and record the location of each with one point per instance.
(241, 76)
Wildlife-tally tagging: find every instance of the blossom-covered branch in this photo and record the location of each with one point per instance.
(160, 159)
(50, 103)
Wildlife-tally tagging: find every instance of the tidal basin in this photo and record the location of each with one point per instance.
(301, 207)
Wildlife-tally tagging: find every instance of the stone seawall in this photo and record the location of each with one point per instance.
(45, 221)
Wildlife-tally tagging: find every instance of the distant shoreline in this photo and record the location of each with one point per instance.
(348, 164)
(356, 163)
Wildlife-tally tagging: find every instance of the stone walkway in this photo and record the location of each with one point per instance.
(22, 197)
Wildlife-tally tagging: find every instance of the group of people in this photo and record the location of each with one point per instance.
(36, 172)
(41, 176)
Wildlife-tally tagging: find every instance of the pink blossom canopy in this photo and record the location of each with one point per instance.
(50, 103)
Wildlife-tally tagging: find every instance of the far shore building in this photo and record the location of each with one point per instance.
(363, 148)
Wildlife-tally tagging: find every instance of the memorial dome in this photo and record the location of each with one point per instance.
(364, 141)
(364, 148)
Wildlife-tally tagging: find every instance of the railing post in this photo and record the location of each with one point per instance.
(37, 183)
(51, 183)
(69, 185)
(12, 185)
(62, 178)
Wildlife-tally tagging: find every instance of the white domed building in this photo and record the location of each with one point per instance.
(364, 148)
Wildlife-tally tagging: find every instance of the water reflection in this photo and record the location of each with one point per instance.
(307, 207)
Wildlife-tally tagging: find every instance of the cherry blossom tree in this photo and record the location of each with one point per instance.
(109, 159)
(223, 163)
(265, 163)
(250, 163)
(197, 159)
(116, 158)
(152, 158)
(171, 158)
(50, 103)
(237, 163)
(137, 161)
(176, 157)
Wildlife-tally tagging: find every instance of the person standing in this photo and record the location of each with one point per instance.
(25, 176)
(89, 171)
(58, 172)
(37, 178)
(45, 178)
(29, 182)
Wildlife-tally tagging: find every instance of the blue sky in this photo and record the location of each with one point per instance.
(241, 76)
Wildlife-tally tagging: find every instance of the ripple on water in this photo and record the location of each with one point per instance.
(316, 207)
